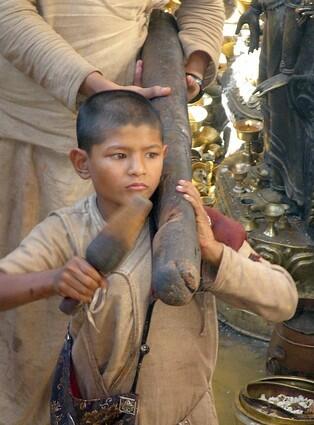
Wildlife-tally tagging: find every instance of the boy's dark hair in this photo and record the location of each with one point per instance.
(109, 110)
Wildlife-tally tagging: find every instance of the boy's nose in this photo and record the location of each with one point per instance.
(137, 167)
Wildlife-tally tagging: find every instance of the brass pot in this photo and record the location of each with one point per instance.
(243, 5)
(200, 172)
(205, 135)
(291, 349)
(172, 6)
(197, 115)
(228, 46)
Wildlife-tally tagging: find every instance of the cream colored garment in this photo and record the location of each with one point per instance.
(48, 47)
(39, 180)
(175, 381)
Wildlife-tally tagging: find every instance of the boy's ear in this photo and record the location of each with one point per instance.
(165, 150)
(79, 159)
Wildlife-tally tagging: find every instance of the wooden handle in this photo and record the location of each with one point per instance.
(68, 306)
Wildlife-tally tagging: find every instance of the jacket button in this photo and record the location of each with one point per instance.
(145, 348)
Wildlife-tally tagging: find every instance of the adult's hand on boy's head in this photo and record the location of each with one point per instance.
(96, 82)
(78, 280)
(148, 92)
(211, 250)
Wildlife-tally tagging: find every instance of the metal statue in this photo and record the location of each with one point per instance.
(274, 199)
(286, 84)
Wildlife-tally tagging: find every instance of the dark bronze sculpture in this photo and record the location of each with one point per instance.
(276, 200)
(286, 85)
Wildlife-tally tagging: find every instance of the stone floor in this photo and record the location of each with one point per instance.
(241, 359)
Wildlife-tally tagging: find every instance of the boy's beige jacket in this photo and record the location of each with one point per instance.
(175, 379)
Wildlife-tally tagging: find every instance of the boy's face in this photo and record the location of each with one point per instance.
(128, 162)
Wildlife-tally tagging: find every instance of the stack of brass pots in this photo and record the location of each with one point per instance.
(291, 348)
(250, 410)
(207, 148)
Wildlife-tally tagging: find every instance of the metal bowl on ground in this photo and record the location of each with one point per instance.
(249, 409)
(291, 349)
(295, 381)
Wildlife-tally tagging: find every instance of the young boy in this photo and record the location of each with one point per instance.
(120, 149)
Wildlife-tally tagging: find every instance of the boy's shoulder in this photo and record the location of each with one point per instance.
(80, 218)
(85, 208)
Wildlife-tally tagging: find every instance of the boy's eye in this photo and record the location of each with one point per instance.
(152, 154)
(118, 155)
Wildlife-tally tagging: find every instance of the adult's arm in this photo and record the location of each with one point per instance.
(247, 281)
(200, 31)
(32, 46)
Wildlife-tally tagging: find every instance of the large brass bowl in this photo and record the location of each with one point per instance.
(246, 413)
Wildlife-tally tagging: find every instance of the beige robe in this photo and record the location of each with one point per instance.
(175, 379)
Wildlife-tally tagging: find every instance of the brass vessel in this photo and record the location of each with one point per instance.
(272, 212)
(291, 349)
(239, 172)
(248, 409)
(248, 129)
(172, 6)
(228, 46)
(197, 115)
(243, 5)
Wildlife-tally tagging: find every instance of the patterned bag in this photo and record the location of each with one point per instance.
(67, 409)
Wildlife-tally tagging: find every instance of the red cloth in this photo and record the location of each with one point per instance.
(75, 391)
(226, 229)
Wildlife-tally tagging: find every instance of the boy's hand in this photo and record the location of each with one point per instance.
(211, 250)
(78, 280)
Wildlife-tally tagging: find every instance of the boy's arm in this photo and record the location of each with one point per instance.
(245, 280)
(16, 290)
(242, 279)
(46, 263)
(77, 280)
